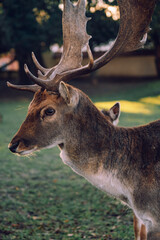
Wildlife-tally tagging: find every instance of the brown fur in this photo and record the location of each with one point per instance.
(139, 228)
(97, 150)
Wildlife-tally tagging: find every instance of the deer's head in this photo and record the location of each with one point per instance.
(55, 104)
(49, 116)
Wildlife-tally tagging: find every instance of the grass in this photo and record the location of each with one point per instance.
(42, 199)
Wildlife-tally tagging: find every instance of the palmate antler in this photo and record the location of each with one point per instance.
(134, 25)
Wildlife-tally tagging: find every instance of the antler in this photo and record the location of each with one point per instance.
(135, 17)
(74, 39)
(134, 25)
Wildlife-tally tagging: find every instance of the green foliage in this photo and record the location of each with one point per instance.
(21, 28)
(111, 2)
(29, 26)
(155, 25)
(91, 3)
(101, 28)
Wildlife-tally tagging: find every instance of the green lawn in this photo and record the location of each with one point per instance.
(42, 199)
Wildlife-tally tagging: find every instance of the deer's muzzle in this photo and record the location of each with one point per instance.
(13, 146)
(21, 146)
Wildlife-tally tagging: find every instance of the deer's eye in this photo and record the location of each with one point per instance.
(49, 111)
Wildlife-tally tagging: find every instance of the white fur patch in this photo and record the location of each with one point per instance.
(115, 122)
(107, 182)
(104, 180)
(67, 161)
(27, 152)
(56, 143)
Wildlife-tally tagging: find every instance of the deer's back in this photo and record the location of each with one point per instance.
(135, 153)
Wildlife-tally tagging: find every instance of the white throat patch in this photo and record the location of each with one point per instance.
(104, 180)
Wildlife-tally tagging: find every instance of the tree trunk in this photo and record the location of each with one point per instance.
(158, 59)
(156, 40)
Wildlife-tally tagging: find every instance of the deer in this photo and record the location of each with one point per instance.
(122, 162)
(113, 115)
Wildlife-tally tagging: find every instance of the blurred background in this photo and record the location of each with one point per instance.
(36, 26)
(40, 197)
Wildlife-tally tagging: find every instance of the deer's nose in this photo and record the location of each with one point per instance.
(13, 146)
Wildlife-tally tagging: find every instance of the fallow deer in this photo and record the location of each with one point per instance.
(123, 162)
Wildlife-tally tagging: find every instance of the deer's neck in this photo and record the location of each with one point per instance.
(89, 139)
(92, 151)
(96, 160)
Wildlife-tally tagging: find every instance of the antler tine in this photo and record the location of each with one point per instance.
(143, 41)
(31, 88)
(45, 84)
(90, 55)
(40, 82)
(44, 70)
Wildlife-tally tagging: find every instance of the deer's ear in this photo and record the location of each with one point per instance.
(115, 113)
(64, 92)
(70, 96)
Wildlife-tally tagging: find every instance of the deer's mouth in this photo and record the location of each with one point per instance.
(18, 148)
(26, 152)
